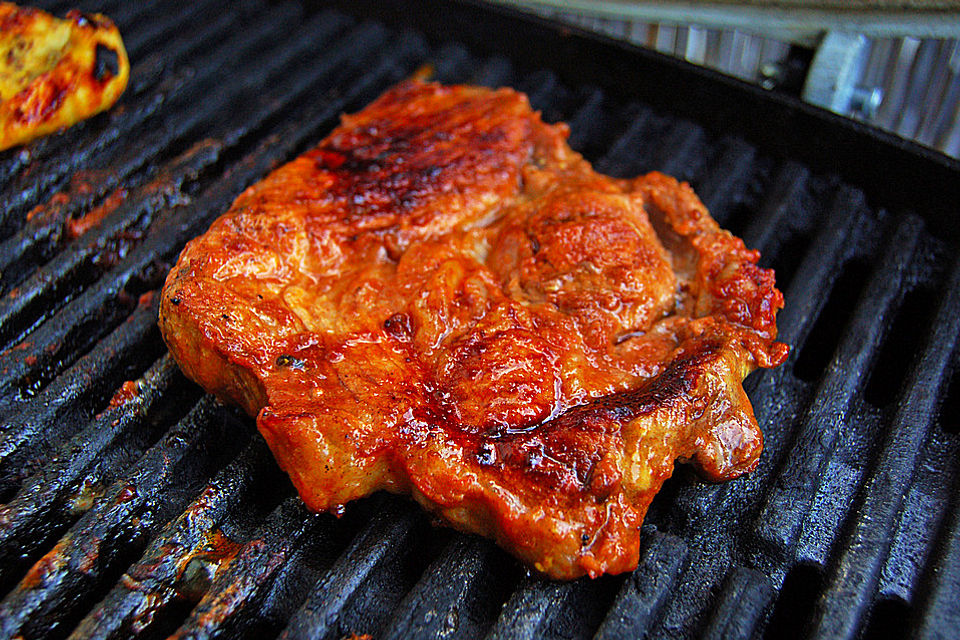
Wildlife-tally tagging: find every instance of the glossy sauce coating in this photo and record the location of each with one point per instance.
(443, 299)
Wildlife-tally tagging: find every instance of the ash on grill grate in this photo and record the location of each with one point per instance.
(144, 509)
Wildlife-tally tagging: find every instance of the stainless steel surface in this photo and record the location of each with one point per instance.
(798, 21)
(904, 83)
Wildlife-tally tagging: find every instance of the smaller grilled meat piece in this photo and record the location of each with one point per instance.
(54, 73)
(443, 299)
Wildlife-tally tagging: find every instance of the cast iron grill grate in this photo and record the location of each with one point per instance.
(135, 506)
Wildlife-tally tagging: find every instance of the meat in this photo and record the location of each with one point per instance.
(54, 73)
(443, 299)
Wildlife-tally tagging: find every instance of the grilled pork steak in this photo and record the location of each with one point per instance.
(443, 299)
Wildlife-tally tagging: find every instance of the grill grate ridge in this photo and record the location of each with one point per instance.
(858, 567)
(42, 293)
(923, 512)
(726, 180)
(239, 591)
(379, 542)
(50, 173)
(58, 410)
(72, 214)
(940, 609)
(144, 75)
(155, 31)
(644, 594)
(524, 613)
(48, 282)
(461, 580)
(178, 564)
(42, 177)
(827, 252)
(495, 71)
(778, 525)
(766, 232)
(622, 152)
(85, 319)
(745, 599)
(586, 123)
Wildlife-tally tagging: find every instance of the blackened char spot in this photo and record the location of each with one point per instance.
(487, 455)
(373, 181)
(398, 326)
(285, 360)
(106, 63)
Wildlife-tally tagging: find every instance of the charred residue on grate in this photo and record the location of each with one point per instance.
(848, 523)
